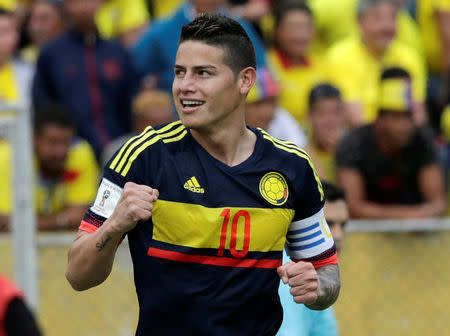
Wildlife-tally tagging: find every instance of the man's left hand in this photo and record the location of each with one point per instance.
(303, 280)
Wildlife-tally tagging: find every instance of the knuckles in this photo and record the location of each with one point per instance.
(306, 298)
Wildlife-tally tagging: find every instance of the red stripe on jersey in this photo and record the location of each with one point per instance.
(87, 227)
(332, 260)
(212, 260)
(91, 228)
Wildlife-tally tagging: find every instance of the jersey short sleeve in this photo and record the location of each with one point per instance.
(309, 237)
(125, 166)
(425, 148)
(348, 154)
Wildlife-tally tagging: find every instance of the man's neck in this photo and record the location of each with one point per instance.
(232, 146)
(375, 52)
(3, 62)
(382, 142)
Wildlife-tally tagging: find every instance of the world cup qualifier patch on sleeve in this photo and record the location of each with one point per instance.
(108, 196)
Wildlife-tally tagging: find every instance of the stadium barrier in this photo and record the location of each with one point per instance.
(395, 278)
(15, 127)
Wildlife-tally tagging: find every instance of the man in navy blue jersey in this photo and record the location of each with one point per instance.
(208, 205)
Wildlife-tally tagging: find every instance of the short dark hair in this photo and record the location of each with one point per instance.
(395, 72)
(221, 31)
(323, 91)
(52, 114)
(282, 7)
(364, 5)
(332, 192)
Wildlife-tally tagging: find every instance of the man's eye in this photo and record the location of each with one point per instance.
(204, 73)
(179, 72)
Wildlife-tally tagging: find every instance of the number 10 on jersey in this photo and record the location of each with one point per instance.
(234, 227)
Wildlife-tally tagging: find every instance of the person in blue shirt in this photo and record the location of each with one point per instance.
(154, 54)
(91, 76)
(298, 320)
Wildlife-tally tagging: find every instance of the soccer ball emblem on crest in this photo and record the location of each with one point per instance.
(273, 188)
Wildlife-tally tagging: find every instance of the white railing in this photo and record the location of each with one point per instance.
(15, 125)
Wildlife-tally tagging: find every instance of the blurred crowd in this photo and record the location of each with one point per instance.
(362, 85)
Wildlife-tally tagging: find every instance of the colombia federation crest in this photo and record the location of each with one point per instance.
(273, 188)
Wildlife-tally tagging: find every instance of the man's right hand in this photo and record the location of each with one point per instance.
(135, 204)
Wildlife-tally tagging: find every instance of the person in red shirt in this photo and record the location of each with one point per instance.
(15, 317)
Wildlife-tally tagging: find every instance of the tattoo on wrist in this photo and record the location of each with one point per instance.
(330, 285)
(101, 245)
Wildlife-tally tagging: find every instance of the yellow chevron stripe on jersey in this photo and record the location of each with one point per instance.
(119, 155)
(142, 140)
(166, 137)
(292, 148)
(177, 138)
(134, 139)
(202, 227)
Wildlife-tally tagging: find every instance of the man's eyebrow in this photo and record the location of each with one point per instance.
(197, 67)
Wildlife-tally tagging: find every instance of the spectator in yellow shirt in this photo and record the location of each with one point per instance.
(337, 20)
(66, 173)
(326, 121)
(290, 59)
(434, 21)
(125, 20)
(15, 76)
(355, 64)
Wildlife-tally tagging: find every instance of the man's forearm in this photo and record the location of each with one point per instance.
(4, 223)
(371, 210)
(329, 287)
(91, 258)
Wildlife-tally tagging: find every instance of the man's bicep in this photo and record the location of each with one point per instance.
(353, 183)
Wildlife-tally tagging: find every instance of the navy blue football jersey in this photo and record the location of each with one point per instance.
(206, 263)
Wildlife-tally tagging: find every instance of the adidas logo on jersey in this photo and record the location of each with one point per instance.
(193, 185)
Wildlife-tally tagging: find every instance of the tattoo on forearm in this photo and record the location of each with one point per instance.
(101, 245)
(330, 285)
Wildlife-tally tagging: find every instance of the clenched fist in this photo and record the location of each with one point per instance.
(135, 204)
(303, 280)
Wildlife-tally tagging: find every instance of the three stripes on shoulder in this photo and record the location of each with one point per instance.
(135, 146)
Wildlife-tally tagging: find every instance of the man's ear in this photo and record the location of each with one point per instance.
(246, 79)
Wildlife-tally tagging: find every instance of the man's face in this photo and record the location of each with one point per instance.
(52, 145)
(397, 128)
(336, 214)
(295, 32)
(327, 118)
(45, 23)
(8, 37)
(260, 113)
(205, 89)
(82, 12)
(379, 25)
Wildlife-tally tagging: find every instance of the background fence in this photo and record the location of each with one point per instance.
(393, 283)
(395, 274)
